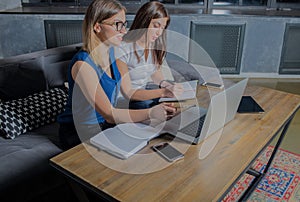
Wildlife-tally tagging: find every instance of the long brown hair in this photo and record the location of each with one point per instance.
(97, 11)
(142, 20)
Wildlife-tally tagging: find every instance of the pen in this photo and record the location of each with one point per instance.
(187, 106)
(171, 82)
(182, 105)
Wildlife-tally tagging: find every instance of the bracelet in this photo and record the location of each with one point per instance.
(159, 85)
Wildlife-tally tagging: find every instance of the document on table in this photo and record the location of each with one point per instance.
(189, 92)
(124, 140)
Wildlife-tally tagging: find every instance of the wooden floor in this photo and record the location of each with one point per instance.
(291, 141)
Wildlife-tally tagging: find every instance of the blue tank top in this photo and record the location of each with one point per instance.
(78, 109)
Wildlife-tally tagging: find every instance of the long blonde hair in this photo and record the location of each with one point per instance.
(97, 11)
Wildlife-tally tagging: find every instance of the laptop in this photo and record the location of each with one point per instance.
(197, 123)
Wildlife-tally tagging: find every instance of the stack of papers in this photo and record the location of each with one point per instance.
(124, 140)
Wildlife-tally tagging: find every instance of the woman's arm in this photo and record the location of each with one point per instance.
(138, 94)
(157, 76)
(87, 79)
(163, 76)
(159, 79)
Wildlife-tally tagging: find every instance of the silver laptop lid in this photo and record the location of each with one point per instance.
(222, 109)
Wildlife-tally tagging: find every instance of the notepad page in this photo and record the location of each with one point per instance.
(139, 130)
(117, 143)
(189, 92)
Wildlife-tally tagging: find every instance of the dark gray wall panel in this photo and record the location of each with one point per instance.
(290, 58)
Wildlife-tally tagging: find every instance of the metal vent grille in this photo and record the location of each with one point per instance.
(290, 57)
(222, 42)
(62, 32)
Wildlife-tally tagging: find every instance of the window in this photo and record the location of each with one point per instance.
(182, 1)
(71, 2)
(284, 4)
(270, 4)
(49, 2)
(240, 2)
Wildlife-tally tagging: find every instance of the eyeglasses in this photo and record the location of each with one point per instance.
(118, 24)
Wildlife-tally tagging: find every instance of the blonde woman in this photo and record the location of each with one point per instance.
(94, 79)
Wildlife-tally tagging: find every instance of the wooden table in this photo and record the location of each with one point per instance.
(190, 179)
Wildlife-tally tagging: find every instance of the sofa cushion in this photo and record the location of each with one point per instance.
(56, 73)
(25, 114)
(19, 80)
(25, 169)
(55, 68)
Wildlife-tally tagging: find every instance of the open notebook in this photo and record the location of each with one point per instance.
(124, 140)
(189, 92)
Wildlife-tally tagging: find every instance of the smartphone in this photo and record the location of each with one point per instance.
(215, 85)
(167, 151)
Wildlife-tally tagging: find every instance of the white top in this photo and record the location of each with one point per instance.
(140, 72)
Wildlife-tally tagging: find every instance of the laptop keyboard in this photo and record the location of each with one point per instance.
(194, 128)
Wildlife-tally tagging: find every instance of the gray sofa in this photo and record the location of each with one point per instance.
(32, 94)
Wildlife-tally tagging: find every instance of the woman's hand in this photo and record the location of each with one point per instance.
(172, 90)
(161, 112)
(165, 83)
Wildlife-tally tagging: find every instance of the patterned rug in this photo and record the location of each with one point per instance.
(281, 183)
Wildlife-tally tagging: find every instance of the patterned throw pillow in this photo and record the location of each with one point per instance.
(25, 114)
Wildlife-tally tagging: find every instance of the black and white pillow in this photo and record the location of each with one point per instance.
(22, 115)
